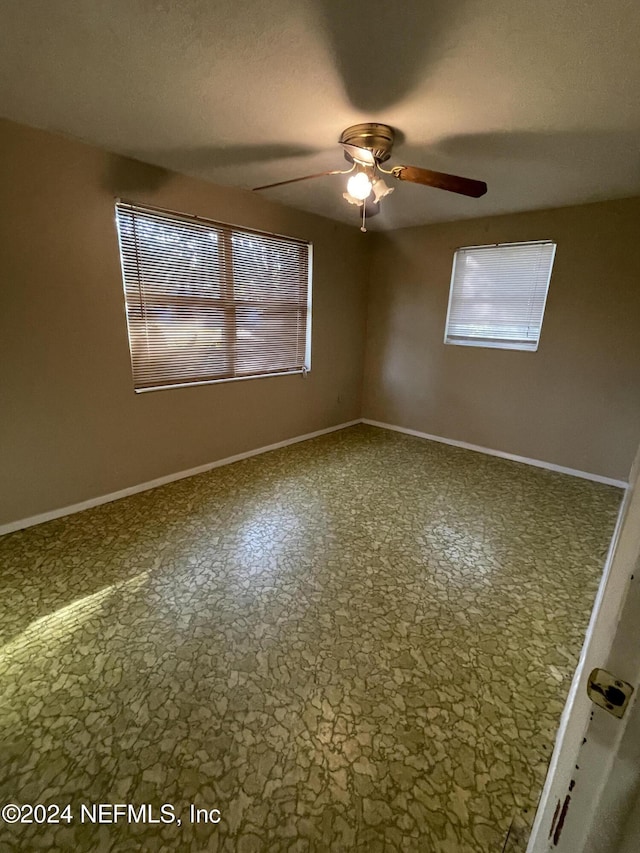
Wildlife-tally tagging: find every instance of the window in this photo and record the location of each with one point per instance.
(208, 302)
(498, 294)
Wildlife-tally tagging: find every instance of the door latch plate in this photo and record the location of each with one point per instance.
(609, 692)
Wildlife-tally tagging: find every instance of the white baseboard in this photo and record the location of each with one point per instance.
(538, 463)
(161, 481)
(12, 526)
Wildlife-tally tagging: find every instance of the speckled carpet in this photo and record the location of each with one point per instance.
(358, 643)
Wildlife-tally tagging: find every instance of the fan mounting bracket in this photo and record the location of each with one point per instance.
(377, 138)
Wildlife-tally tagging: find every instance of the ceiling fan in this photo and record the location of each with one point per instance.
(367, 146)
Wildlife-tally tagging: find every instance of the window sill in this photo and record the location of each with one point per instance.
(522, 347)
(302, 373)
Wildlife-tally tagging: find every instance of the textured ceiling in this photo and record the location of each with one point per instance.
(539, 99)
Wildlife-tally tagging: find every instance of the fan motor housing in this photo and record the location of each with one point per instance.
(377, 138)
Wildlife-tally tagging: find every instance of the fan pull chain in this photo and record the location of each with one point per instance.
(362, 227)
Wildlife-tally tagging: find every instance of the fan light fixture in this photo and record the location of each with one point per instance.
(348, 197)
(366, 147)
(381, 190)
(359, 186)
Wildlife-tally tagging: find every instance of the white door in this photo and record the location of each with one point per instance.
(591, 798)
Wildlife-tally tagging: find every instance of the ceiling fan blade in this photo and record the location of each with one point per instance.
(304, 178)
(362, 155)
(440, 180)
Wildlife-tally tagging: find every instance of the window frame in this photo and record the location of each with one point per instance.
(498, 343)
(219, 301)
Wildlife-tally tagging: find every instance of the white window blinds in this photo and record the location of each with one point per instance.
(207, 302)
(498, 295)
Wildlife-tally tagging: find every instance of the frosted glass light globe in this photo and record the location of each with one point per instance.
(359, 186)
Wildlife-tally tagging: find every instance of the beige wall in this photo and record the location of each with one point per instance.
(576, 401)
(71, 427)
